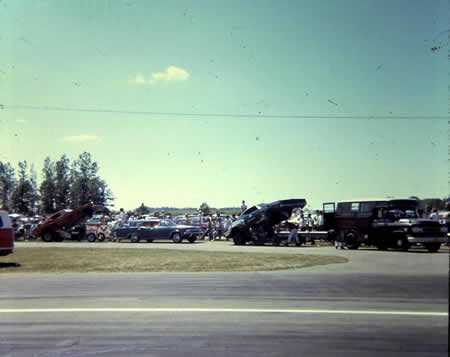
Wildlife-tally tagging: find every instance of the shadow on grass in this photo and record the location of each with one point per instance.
(5, 265)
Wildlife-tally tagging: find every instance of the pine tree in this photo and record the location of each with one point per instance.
(47, 188)
(87, 186)
(62, 183)
(7, 184)
(23, 196)
(34, 195)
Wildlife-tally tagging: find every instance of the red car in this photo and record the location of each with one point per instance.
(55, 227)
(6, 234)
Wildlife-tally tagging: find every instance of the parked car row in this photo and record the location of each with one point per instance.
(382, 223)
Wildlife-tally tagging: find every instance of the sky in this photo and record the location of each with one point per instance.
(294, 67)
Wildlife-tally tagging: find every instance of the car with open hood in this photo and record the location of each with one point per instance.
(60, 224)
(256, 224)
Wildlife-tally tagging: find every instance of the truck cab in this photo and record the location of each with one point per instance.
(386, 223)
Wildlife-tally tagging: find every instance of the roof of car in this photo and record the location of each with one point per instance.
(379, 199)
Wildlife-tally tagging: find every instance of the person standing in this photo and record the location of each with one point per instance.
(219, 226)
(301, 222)
(293, 235)
(210, 231)
(243, 206)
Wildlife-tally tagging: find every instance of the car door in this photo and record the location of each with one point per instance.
(164, 230)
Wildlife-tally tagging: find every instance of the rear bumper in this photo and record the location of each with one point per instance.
(425, 240)
(6, 251)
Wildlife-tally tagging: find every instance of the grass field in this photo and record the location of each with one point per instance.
(64, 260)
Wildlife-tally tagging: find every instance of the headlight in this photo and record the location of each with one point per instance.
(444, 229)
(417, 229)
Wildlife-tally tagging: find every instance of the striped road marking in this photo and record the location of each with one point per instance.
(225, 310)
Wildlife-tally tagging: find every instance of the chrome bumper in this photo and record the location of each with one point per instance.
(425, 240)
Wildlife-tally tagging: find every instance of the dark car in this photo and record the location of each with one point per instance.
(256, 224)
(126, 230)
(386, 223)
(167, 230)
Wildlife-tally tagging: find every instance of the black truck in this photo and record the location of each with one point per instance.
(383, 223)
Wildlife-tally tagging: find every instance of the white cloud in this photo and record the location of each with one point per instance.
(170, 74)
(82, 138)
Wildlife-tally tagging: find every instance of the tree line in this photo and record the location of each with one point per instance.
(64, 184)
(204, 209)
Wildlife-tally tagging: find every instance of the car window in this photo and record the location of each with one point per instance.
(343, 207)
(329, 208)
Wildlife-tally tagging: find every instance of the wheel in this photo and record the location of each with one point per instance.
(403, 244)
(238, 241)
(351, 240)
(176, 238)
(192, 239)
(47, 237)
(134, 238)
(91, 237)
(433, 247)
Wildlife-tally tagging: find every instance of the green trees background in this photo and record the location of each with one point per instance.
(64, 184)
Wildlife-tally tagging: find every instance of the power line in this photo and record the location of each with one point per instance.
(223, 115)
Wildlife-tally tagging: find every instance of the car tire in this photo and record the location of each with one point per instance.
(402, 244)
(176, 237)
(238, 241)
(91, 237)
(351, 240)
(47, 237)
(134, 238)
(433, 247)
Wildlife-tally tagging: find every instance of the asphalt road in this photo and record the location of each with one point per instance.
(380, 303)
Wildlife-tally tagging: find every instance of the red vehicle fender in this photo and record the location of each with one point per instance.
(6, 234)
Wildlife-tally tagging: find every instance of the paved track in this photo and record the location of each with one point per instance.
(414, 282)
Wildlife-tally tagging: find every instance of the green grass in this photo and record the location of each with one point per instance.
(64, 260)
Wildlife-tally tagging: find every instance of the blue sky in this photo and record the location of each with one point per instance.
(233, 57)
